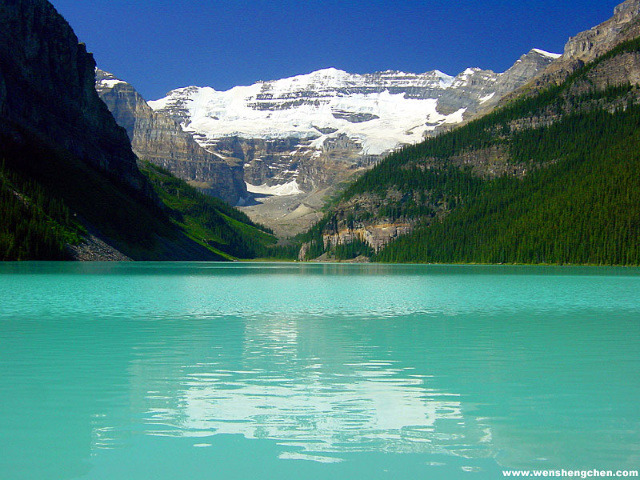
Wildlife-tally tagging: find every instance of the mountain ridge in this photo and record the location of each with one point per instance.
(192, 104)
(549, 177)
(585, 47)
(301, 137)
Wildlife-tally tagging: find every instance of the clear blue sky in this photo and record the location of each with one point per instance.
(159, 45)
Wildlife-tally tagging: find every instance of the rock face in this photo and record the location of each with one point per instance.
(306, 134)
(370, 114)
(590, 44)
(162, 141)
(376, 235)
(47, 89)
(586, 46)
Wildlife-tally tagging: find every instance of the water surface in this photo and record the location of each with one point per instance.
(233, 371)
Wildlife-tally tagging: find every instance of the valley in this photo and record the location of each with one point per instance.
(387, 166)
(331, 273)
(302, 137)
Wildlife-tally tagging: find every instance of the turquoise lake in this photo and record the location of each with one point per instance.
(315, 371)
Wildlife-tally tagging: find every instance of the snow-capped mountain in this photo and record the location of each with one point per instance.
(303, 134)
(378, 111)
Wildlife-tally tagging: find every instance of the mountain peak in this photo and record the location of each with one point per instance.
(378, 111)
(331, 71)
(630, 8)
(106, 80)
(544, 53)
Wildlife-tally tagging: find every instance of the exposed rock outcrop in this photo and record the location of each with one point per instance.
(484, 89)
(377, 235)
(586, 46)
(93, 249)
(592, 43)
(160, 140)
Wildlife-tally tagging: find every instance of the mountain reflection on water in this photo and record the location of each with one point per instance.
(336, 403)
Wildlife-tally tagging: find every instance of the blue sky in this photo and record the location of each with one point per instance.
(159, 45)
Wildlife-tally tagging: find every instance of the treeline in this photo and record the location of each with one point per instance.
(495, 128)
(425, 191)
(36, 224)
(179, 189)
(354, 249)
(426, 166)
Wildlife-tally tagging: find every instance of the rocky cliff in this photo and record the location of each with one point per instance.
(162, 141)
(590, 44)
(587, 46)
(47, 89)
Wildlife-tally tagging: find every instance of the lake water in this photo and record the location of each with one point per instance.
(298, 371)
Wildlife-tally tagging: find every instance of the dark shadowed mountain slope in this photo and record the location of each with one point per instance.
(69, 183)
(46, 87)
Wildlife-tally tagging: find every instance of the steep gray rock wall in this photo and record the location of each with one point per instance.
(586, 46)
(160, 140)
(47, 89)
(592, 43)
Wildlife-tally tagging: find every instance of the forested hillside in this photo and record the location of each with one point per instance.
(548, 178)
(49, 202)
(212, 222)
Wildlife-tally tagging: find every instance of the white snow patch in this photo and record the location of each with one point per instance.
(161, 103)
(216, 114)
(547, 54)
(445, 80)
(110, 83)
(462, 79)
(486, 98)
(456, 117)
(291, 188)
(304, 106)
